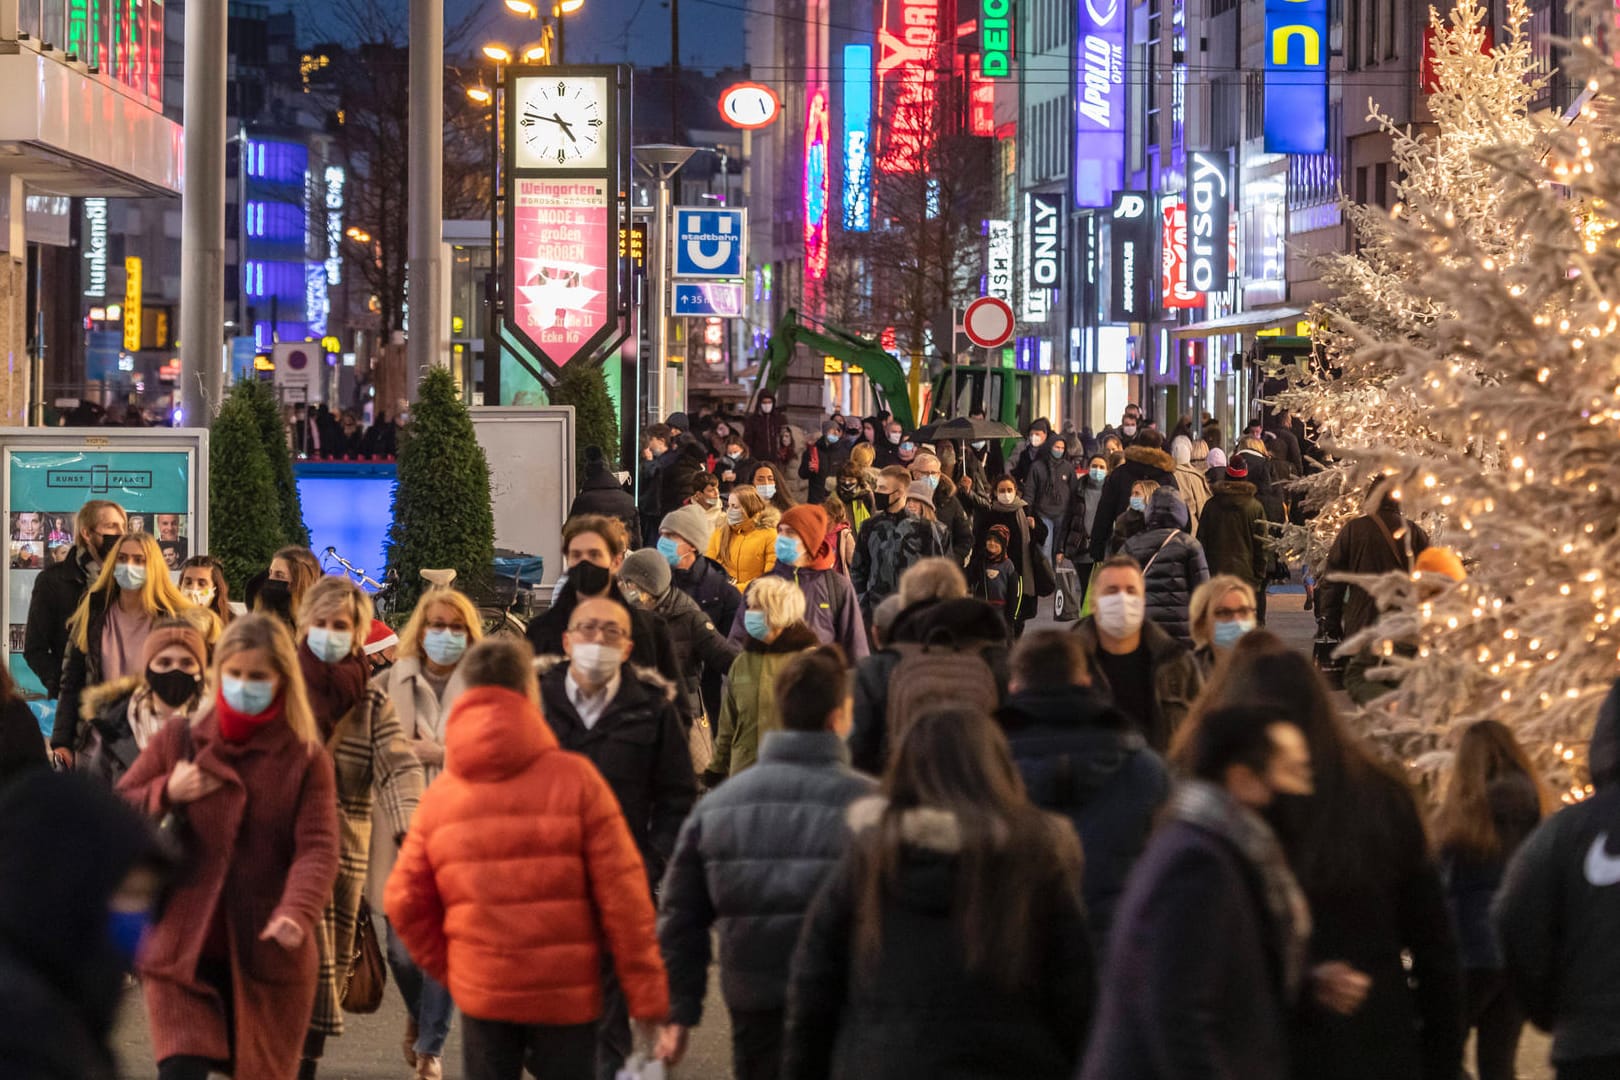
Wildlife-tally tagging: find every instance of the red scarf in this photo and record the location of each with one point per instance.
(236, 727)
(334, 689)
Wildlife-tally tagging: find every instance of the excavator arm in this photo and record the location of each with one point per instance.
(883, 369)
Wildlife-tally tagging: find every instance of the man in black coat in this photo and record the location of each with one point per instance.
(623, 718)
(681, 465)
(60, 587)
(683, 537)
(823, 461)
(749, 861)
(1208, 952)
(1375, 543)
(1144, 460)
(601, 493)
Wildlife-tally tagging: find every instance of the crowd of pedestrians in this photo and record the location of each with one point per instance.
(802, 736)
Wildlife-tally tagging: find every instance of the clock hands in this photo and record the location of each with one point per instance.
(567, 128)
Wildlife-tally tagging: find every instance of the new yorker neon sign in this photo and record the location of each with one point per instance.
(908, 39)
(1296, 92)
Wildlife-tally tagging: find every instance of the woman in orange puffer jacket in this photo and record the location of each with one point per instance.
(517, 854)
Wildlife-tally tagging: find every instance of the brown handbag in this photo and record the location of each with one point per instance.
(368, 974)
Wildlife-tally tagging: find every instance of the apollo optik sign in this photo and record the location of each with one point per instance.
(995, 38)
(1099, 94)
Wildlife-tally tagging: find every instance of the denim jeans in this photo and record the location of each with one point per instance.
(425, 999)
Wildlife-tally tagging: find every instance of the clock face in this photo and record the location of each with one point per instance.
(561, 122)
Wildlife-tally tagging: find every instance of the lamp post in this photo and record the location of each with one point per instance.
(492, 285)
(660, 161)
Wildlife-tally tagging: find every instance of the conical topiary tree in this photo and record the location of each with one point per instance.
(290, 511)
(244, 527)
(595, 423)
(442, 513)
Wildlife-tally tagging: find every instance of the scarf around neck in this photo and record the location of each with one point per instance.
(334, 689)
(1209, 807)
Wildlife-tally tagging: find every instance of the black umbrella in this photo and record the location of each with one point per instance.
(968, 428)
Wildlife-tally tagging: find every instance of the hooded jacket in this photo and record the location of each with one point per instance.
(1027, 532)
(1172, 561)
(1558, 914)
(748, 549)
(914, 1010)
(748, 862)
(639, 748)
(680, 467)
(1195, 492)
(1141, 463)
(1232, 531)
(1176, 678)
(1079, 758)
(56, 596)
(887, 546)
(63, 977)
(601, 493)
(516, 872)
(748, 707)
(831, 609)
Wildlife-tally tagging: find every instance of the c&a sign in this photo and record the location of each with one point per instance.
(1296, 109)
(1209, 213)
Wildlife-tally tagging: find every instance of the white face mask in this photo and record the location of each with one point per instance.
(595, 661)
(200, 597)
(1119, 615)
(1006, 498)
(766, 406)
(734, 516)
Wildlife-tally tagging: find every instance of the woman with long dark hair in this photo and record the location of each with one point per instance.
(202, 581)
(1493, 800)
(21, 745)
(1360, 853)
(950, 941)
(292, 571)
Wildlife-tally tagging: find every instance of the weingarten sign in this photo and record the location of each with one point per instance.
(1099, 94)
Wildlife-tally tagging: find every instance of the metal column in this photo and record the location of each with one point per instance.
(202, 211)
(424, 268)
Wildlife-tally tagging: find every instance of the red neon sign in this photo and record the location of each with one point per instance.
(908, 42)
(816, 134)
(1171, 281)
(981, 100)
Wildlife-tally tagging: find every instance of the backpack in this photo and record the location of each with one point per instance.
(936, 675)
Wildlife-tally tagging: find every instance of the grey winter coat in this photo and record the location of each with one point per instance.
(1173, 563)
(697, 645)
(748, 862)
(1050, 486)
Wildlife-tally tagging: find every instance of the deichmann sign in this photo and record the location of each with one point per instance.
(1099, 94)
(1209, 215)
(1043, 253)
(995, 38)
(999, 261)
(1130, 257)
(1296, 90)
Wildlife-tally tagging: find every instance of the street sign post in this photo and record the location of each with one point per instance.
(710, 243)
(722, 298)
(988, 322)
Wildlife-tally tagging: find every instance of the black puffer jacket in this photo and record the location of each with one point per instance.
(639, 748)
(706, 582)
(57, 592)
(914, 1010)
(601, 493)
(748, 862)
(967, 623)
(1173, 563)
(697, 646)
(1141, 463)
(1080, 759)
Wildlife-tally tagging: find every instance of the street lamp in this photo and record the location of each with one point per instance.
(491, 99)
(523, 7)
(479, 96)
(498, 52)
(533, 53)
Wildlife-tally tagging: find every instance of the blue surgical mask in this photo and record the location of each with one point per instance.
(1057, 451)
(444, 646)
(330, 645)
(754, 623)
(1099, 474)
(1227, 633)
(766, 491)
(932, 480)
(787, 550)
(128, 929)
(980, 444)
(250, 697)
(1138, 503)
(129, 576)
(832, 438)
(670, 550)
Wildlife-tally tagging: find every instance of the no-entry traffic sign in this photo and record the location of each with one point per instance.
(988, 322)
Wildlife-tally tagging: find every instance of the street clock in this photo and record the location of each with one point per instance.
(562, 122)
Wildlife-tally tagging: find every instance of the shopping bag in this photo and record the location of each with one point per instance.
(1066, 600)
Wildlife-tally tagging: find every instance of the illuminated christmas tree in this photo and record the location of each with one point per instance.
(1481, 372)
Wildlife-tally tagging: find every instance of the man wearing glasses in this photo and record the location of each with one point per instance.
(623, 718)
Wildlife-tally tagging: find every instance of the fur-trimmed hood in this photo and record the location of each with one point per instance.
(926, 827)
(1240, 488)
(97, 699)
(648, 677)
(1147, 455)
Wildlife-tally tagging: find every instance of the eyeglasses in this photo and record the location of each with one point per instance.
(1226, 613)
(453, 627)
(592, 631)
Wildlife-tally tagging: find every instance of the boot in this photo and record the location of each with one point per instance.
(306, 1068)
(429, 1067)
(411, 1032)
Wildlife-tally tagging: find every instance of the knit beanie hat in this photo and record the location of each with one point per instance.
(1216, 458)
(646, 570)
(174, 632)
(1237, 468)
(1001, 535)
(809, 523)
(690, 523)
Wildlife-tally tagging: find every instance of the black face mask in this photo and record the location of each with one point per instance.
(276, 597)
(173, 687)
(588, 579)
(1289, 818)
(105, 546)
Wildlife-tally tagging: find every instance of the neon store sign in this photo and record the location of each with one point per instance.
(1296, 91)
(1099, 93)
(857, 138)
(816, 187)
(907, 43)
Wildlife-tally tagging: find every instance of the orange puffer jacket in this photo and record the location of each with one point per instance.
(517, 853)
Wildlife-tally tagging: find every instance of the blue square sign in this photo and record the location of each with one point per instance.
(710, 243)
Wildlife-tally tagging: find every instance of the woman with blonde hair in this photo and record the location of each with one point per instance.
(746, 545)
(107, 633)
(1220, 612)
(423, 685)
(229, 969)
(774, 619)
(292, 571)
(357, 725)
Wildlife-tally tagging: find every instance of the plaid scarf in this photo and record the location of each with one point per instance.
(1209, 807)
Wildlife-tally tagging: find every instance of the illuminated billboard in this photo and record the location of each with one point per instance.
(1099, 94)
(857, 138)
(1209, 218)
(1296, 90)
(907, 86)
(1173, 291)
(995, 38)
(816, 187)
(562, 273)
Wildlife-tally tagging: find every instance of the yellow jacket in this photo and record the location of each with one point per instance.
(747, 551)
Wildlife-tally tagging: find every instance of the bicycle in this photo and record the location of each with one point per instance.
(382, 592)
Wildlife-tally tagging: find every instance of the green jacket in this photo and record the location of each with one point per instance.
(1232, 529)
(748, 704)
